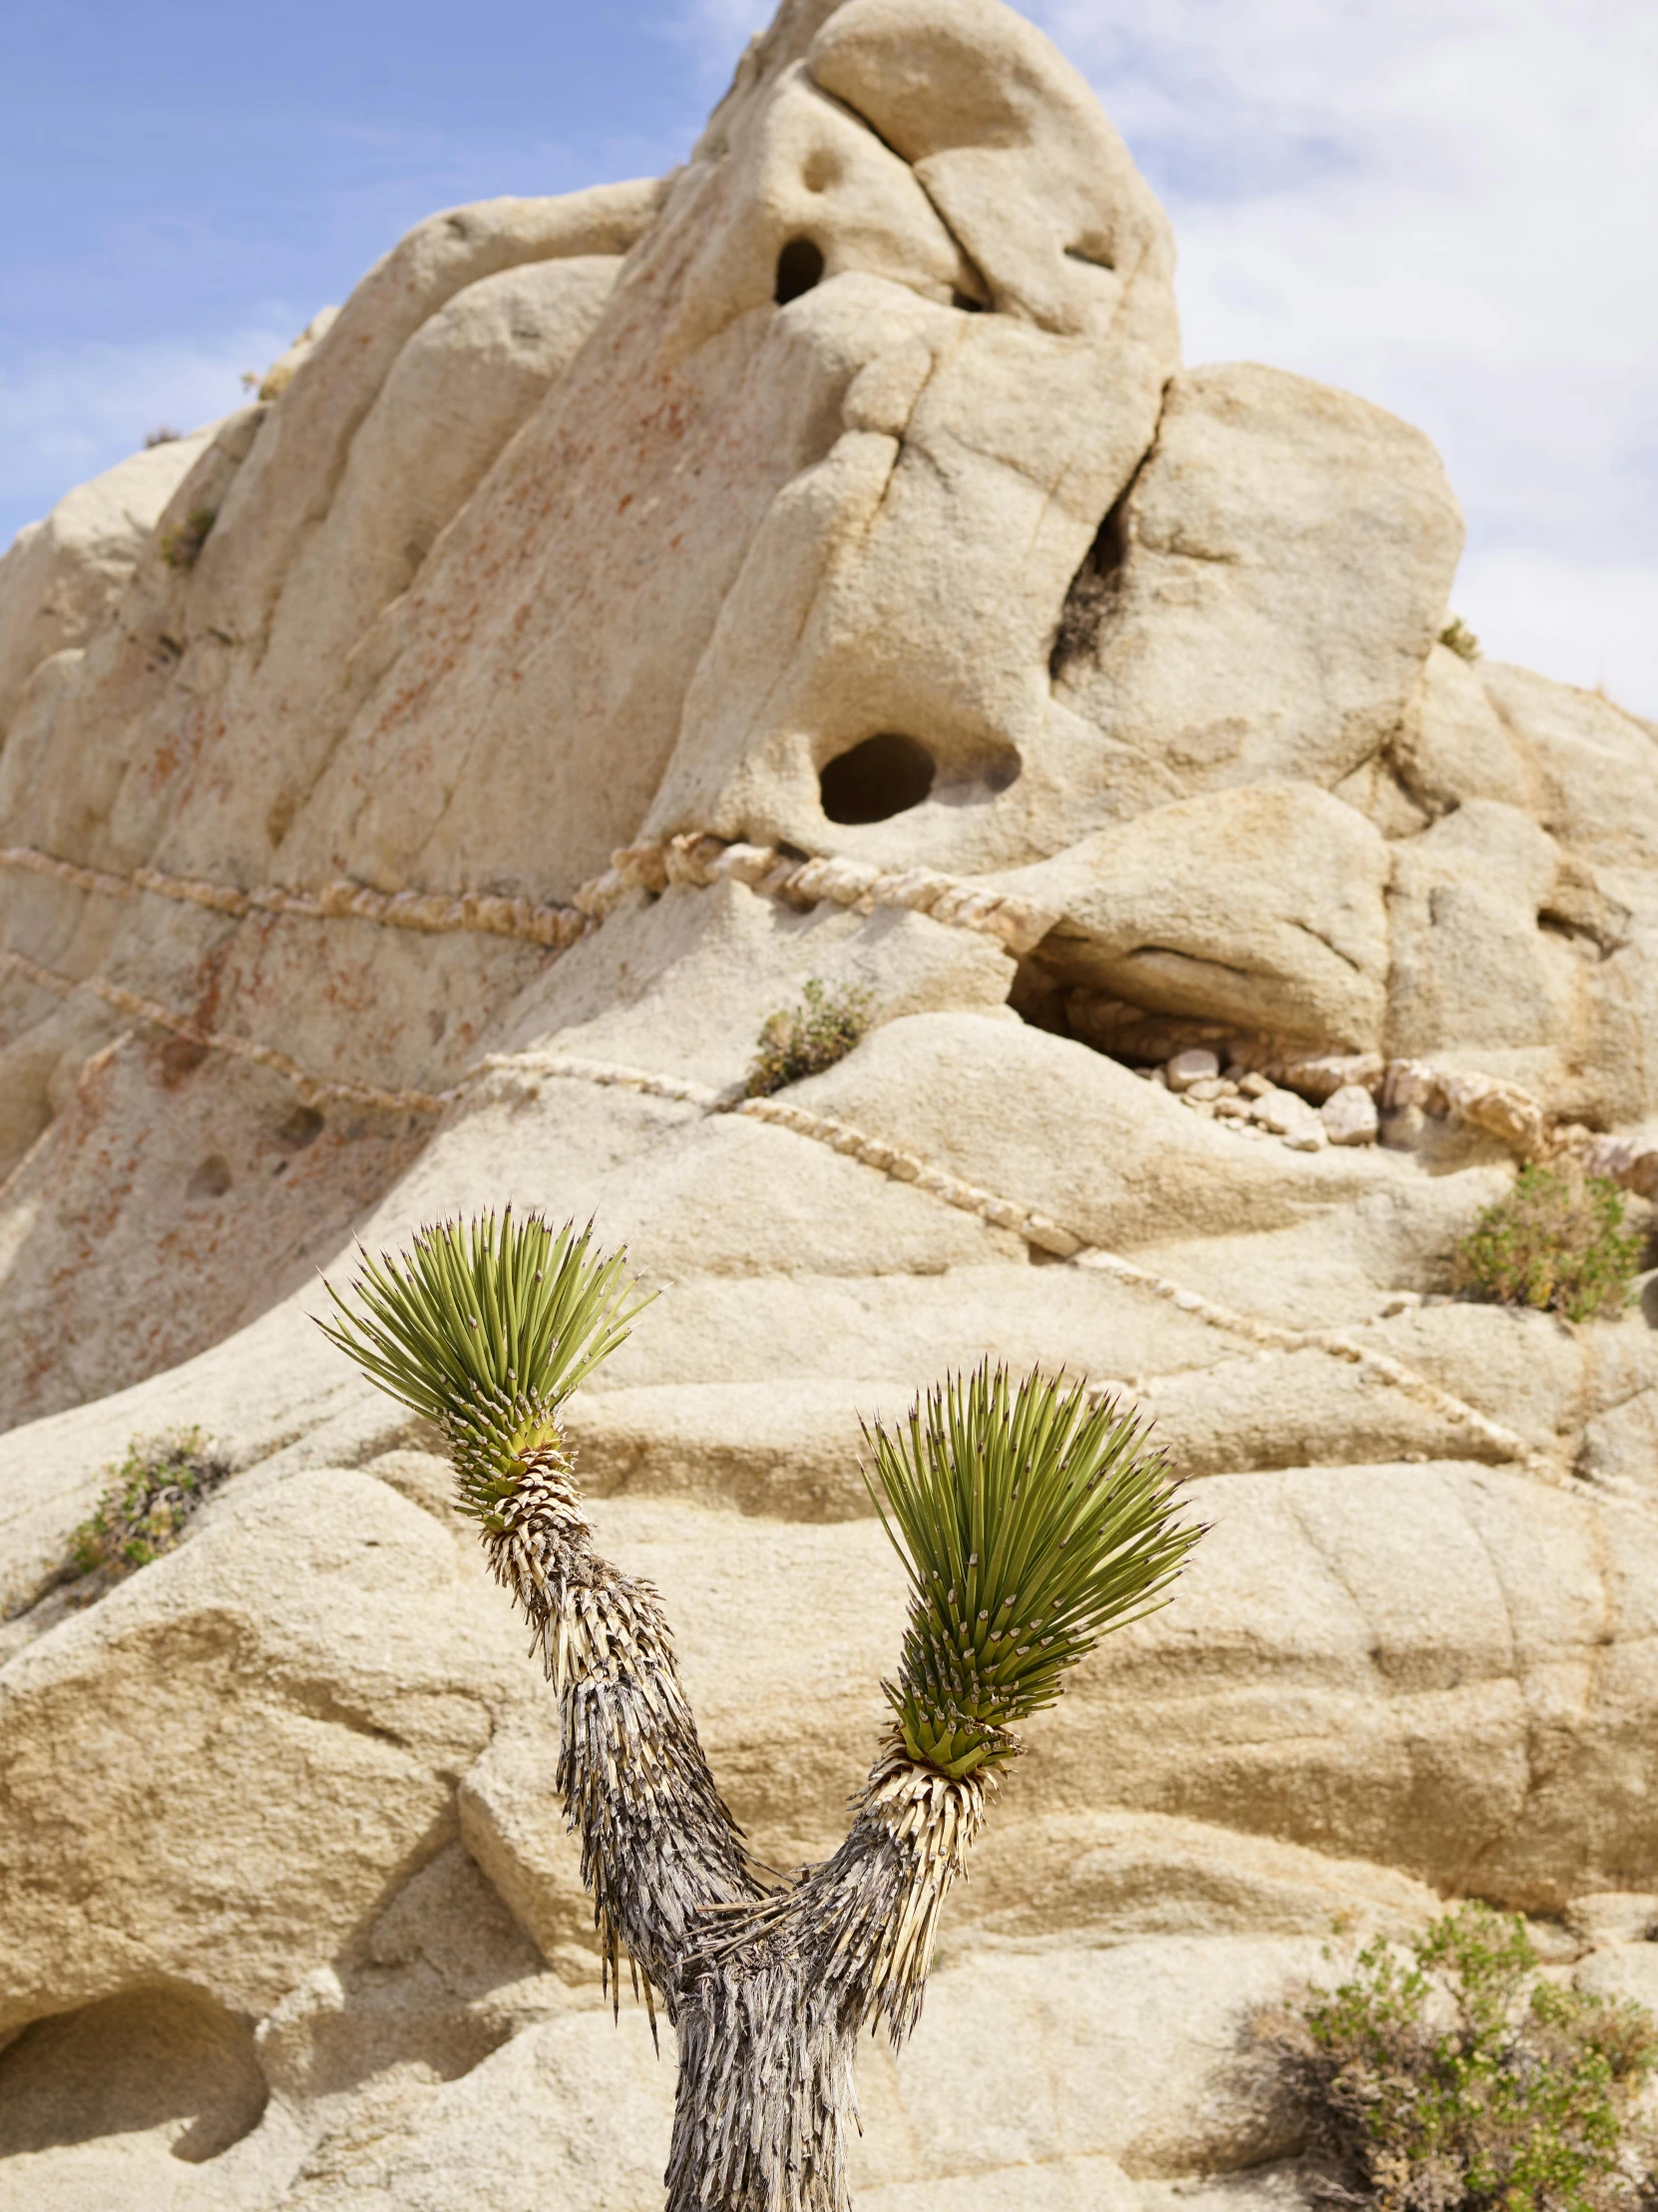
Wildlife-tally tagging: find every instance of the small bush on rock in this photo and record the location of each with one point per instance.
(181, 545)
(1461, 639)
(806, 1038)
(1461, 2083)
(152, 1496)
(1558, 1241)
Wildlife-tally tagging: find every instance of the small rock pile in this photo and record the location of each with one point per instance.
(1342, 1109)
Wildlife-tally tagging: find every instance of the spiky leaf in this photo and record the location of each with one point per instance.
(1030, 1522)
(486, 1327)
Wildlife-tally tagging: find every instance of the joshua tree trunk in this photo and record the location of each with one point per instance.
(772, 2004)
(767, 1991)
(1029, 1521)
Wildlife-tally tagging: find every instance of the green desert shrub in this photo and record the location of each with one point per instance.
(148, 1501)
(1457, 2080)
(1559, 1240)
(182, 542)
(803, 1039)
(1461, 639)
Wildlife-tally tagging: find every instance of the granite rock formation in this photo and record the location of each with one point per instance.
(415, 792)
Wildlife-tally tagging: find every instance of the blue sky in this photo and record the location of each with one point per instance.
(1450, 206)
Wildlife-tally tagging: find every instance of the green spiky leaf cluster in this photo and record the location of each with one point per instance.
(1030, 1523)
(486, 1327)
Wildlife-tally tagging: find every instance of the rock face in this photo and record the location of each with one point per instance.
(415, 793)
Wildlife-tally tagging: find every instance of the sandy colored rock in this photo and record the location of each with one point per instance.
(1592, 762)
(682, 985)
(1453, 744)
(1175, 911)
(981, 431)
(1348, 1116)
(464, 382)
(1448, 1619)
(839, 494)
(1510, 951)
(1614, 1917)
(570, 2110)
(1342, 1268)
(1138, 1875)
(438, 1979)
(1139, 2054)
(990, 1103)
(1297, 1409)
(60, 578)
(1621, 1445)
(1622, 1971)
(1263, 601)
(1529, 1369)
(143, 2100)
(786, 1449)
(237, 1750)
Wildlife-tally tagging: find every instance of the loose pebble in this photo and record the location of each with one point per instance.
(1348, 1116)
(1195, 1064)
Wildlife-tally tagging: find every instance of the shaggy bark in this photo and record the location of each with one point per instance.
(768, 1989)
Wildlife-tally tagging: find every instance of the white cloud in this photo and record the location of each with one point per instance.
(1587, 623)
(68, 413)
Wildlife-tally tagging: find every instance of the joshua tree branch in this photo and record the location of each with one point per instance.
(659, 1845)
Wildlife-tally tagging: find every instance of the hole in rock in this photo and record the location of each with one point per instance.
(300, 1127)
(883, 776)
(149, 2060)
(211, 1180)
(966, 302)
(1093, 591)
(1048, 994)
(799, 269)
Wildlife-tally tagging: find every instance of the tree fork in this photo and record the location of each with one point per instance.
(1029, 1519)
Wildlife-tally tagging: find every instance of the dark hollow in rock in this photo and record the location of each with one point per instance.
(799, 269)
(211, 1180)
(128, 2065)
(1093, 591)
(885, 776)
(302, 1126)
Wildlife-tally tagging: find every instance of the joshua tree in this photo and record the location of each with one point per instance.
(1030, 1520)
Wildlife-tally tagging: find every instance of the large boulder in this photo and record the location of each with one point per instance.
(1260, 908)
(1262, 604)
(60, 578)
(212, 1777)
(419, 791)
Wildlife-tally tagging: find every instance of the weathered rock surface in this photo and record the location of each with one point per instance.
(842, 493)
(274, 1718)
(1261, 605)
(1174, 911)
(61, 579)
